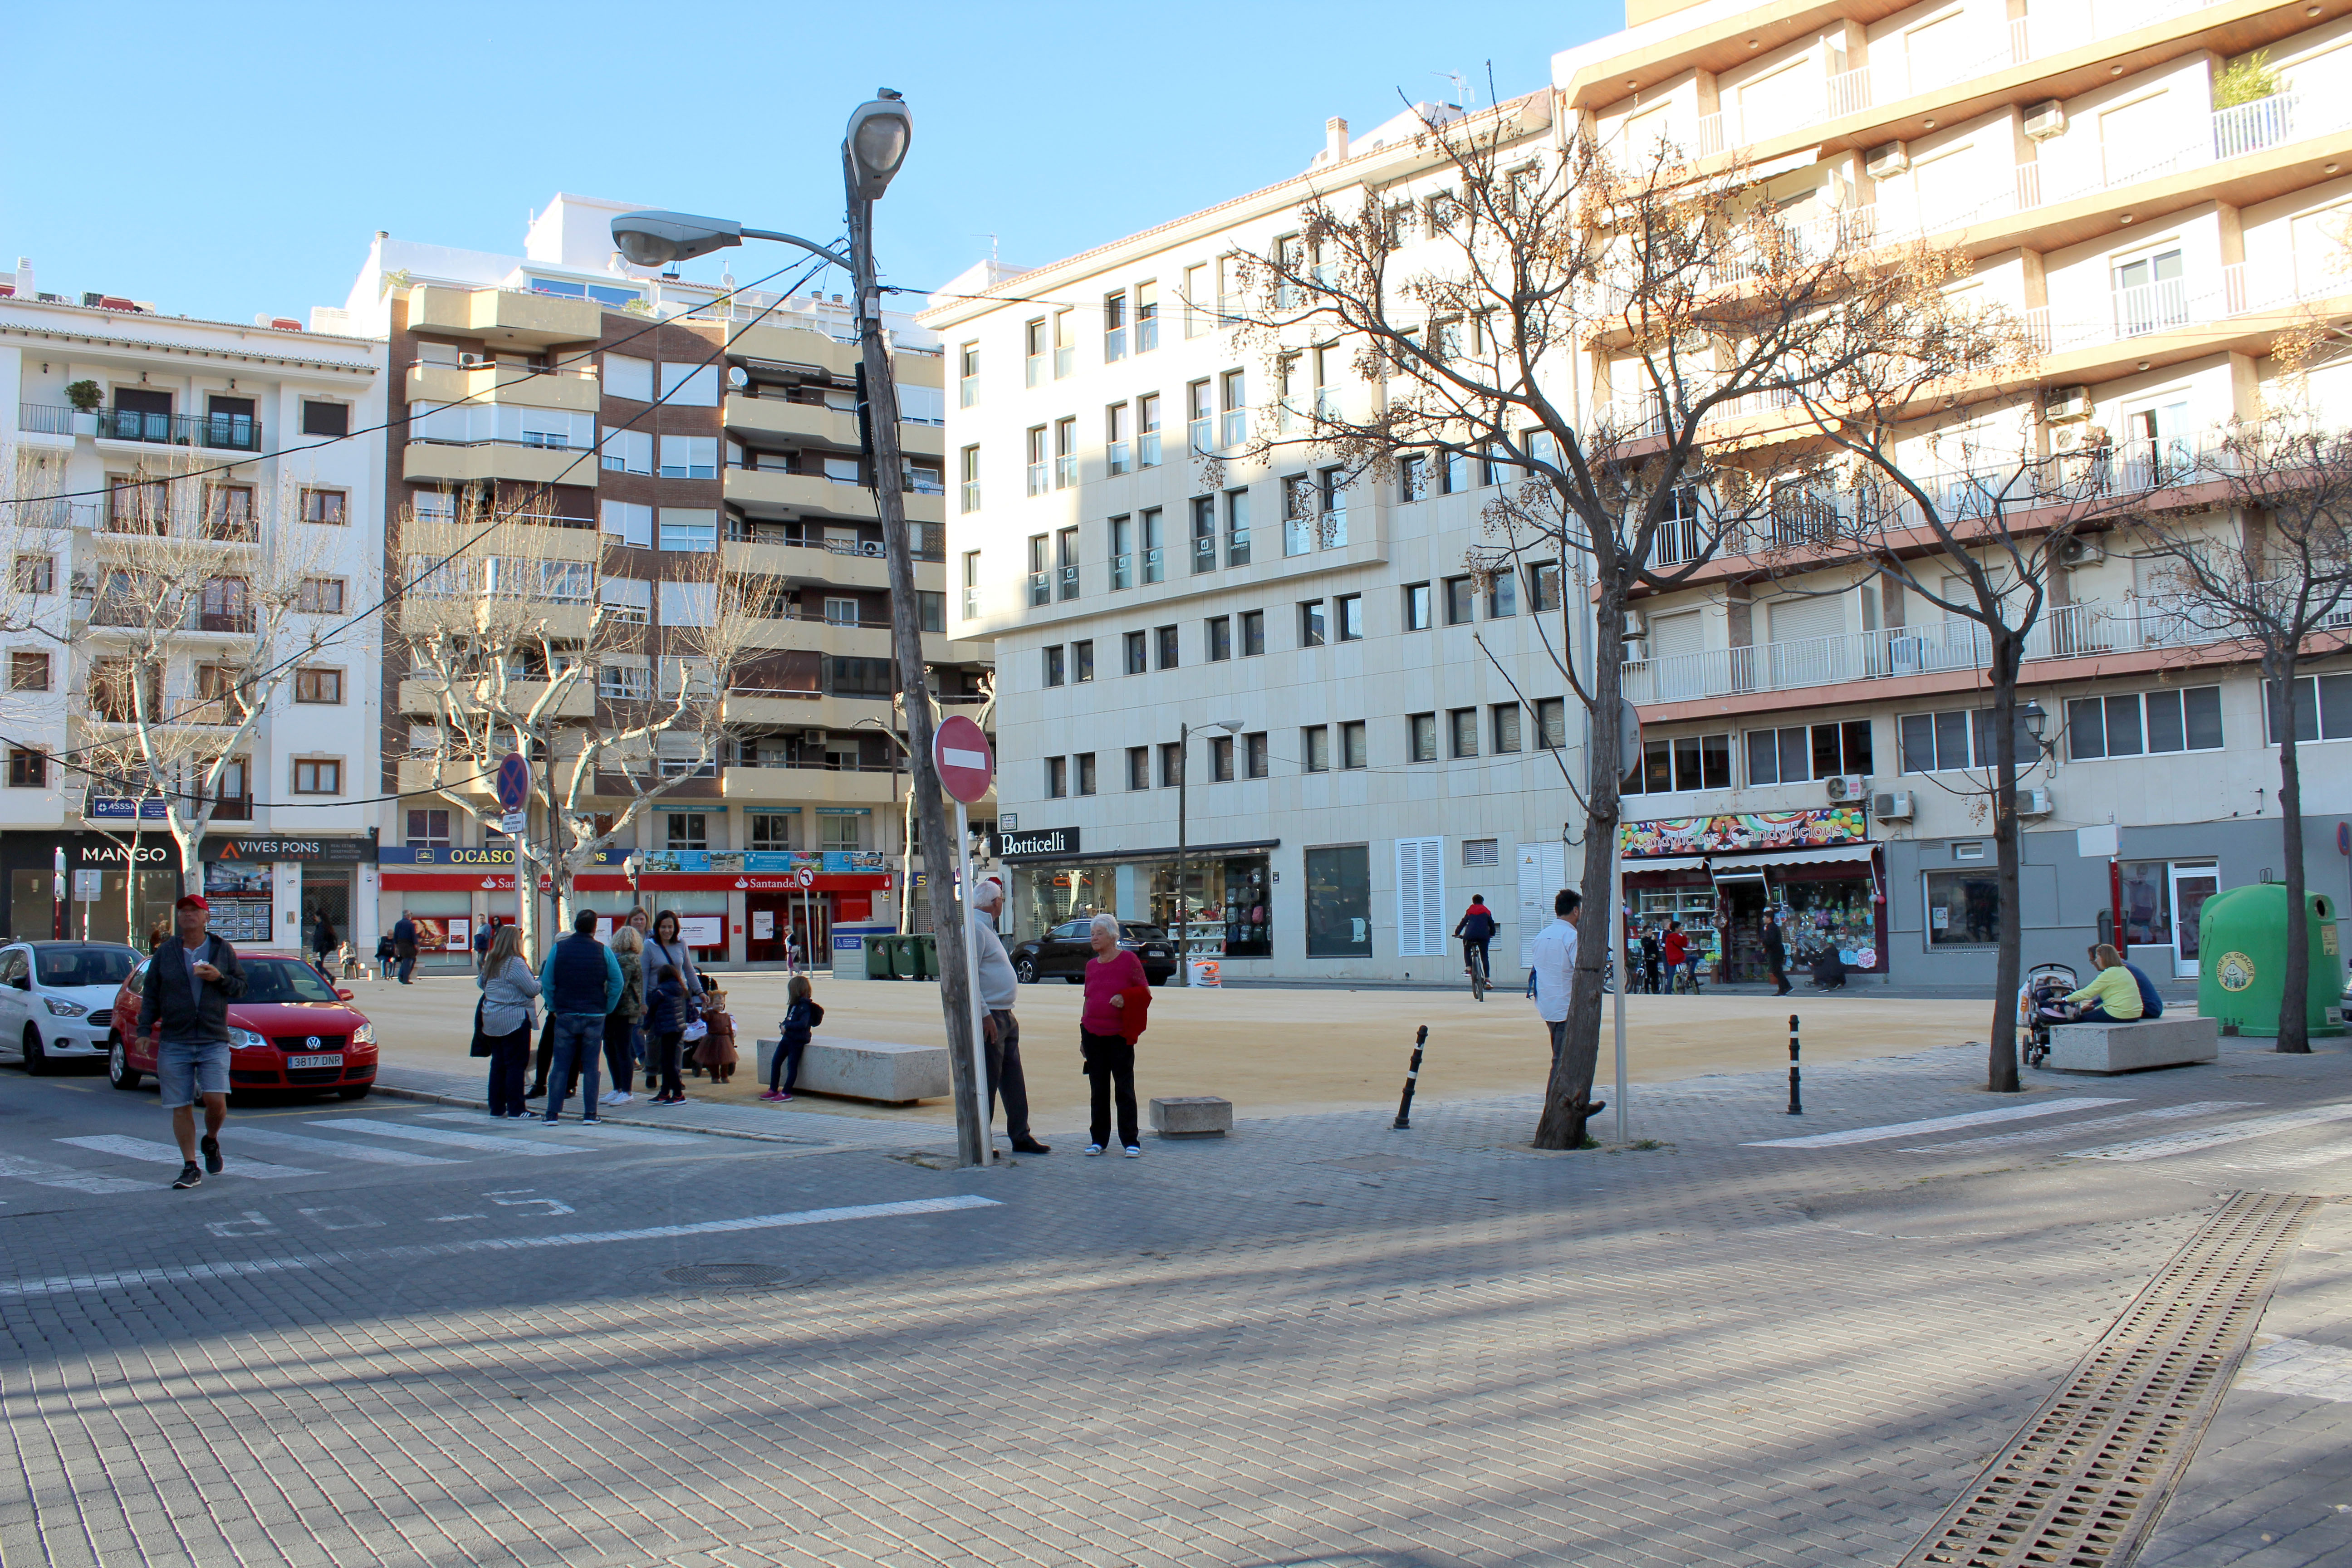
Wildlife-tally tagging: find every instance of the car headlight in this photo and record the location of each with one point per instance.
(62, 1008)
(247, 1040)
(365, 1035)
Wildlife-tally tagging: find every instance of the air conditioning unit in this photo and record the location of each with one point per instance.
(2060, 402)
(2033, 802)
(873, 547)
(812, 737)
(472, 362)
(1636, 628)
(1848, 786)
(2066, 438)
(2044, 121)
(1893, 807)
(1886, 162)
(2081, 551)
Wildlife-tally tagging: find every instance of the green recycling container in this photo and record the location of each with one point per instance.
(2241, 961)
(878, 957)
(926, 955)
(904, 964)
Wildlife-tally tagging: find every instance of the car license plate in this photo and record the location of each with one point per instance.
(331, 1060)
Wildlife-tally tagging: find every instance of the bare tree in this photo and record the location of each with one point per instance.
(1473, 304)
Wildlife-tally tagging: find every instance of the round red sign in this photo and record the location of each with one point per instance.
(960, 753)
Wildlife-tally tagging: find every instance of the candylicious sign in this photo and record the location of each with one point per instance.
(1811, 828)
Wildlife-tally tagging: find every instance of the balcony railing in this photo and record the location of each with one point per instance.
(971, 496)
(227, 432)
(44, 419)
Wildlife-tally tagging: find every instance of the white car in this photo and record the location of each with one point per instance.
(56, 1000)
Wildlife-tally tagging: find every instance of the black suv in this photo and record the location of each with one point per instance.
(1064, 952)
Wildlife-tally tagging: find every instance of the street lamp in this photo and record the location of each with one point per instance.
(873, 149)
(1183, 860)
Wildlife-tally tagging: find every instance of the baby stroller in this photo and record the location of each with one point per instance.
(2039, 1004)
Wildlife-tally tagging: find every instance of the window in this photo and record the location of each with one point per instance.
(1122, 552)
(1462, 725)
(1201, 418)
(1135, 662)
(229, 511)
(1413, 478)
(1221, 759)
(1339, 901)
(967, 375)
(1416, 607)
(971, 583)
(37, 573)
(628, 376)
(689, 528)
(1085, 773)
(1033, 358)
(1138, 767)
(1082, 661)
(623, 682)
(28, 672)
(1196, 301)
(326, 418)
(1235, 393)
(1038, 454)
(2323, 709)
(1934, 742)
(1058, 777)
(1155, 559)
(847, 677)
(1172, 764)
(1204, 533)
(1253, 632)
(2152, 721)
(1551, 722)
(1353, 752)
(930, 610)
(1963, 908)
(1164, 639)
(1066, 562)
(1457, 463)
(1237, 528)
(429, 828)
(1065, 349)
(1146, 317)
(689, 457)
(629, 452)
(317, 686)
(1543, 587)
(1298, 515)
(1118, 448)
(1502, 594)
(1315, 749)
(1054, 667)
(773, 831)
(312, 777)
(1115, 327)
(1253, 755)
(1506, 727)
(692, 385)
(1310, 624)
(1065, 452)
(1478, 852)
(841, 832)
(1041, 581)
(1147, 431)
(1795, 753)
(1687, 763)
(28, 769)
(686, 831)
(319, 596)
(968, 498)
(1461, 601)
(322, 506)
(1349, 608)
(1421, 737)
(1219, 639)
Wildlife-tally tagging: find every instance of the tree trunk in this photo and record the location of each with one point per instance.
(1568, 1095)
(2295, 1004)
(2001, 1054)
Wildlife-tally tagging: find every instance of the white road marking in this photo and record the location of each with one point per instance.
(2212, 1137)
(2299, 1366)
(1937, 1124)
(330, 1148)
(168, 1155)
(68, 1284)
(2052, 1134)
(481, 1141)
(2302, 1160)
(606, 1132)
(41, 1174)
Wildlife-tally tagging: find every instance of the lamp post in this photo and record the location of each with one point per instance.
(873, 149)
(1183, 858)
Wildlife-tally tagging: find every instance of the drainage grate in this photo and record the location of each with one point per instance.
(2081, 1485)
(735, 1274)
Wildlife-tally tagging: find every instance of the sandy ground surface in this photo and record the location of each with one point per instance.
(1269, 1051)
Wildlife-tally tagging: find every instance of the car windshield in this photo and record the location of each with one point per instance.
(1144, 933)
(284, 980)
(82, 965)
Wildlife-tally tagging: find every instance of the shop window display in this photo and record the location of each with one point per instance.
(1339, 901)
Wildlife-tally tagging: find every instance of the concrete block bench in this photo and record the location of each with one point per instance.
(2129, 1048)
(867, 1069)
(1192, 1116)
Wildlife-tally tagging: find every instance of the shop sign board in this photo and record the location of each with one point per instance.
(1039, 841)
(1812, 827)
(332, 849)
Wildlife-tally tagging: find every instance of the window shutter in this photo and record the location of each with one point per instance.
(1420, 898)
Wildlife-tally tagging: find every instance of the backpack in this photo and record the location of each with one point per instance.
(816, 1014)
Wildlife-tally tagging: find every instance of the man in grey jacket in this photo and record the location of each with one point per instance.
(1000, 1030)
(184, 1007)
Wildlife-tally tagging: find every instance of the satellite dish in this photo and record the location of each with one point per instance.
(737, 376)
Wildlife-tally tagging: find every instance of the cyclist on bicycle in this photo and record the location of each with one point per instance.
(1476, 929)
(1676, 950)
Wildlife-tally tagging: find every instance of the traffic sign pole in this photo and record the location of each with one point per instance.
(966, 767)
(969, 899)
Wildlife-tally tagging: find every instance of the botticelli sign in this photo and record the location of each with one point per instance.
(1044, 841)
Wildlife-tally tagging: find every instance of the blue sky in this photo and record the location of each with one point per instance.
(233, 159)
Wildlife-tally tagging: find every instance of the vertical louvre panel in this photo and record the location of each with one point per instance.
(1420, 898)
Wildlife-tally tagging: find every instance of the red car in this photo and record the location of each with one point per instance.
(290, 1030)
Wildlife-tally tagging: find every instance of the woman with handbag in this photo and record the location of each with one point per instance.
(504, 1019)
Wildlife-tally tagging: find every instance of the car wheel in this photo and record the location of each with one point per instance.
(119, 1070)
(36, 1060)
(1074, 980)
(1025, 971)
(354, 1092)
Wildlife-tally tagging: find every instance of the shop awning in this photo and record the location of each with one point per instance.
(1734, 860)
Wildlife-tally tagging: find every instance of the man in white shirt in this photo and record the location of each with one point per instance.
(1554, 951)
(1000, 1030)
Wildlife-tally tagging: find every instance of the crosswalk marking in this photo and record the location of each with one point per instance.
(2302, 1161)
(454, 1140)
(165, 1154)
(2212, 1137)
(2052, 1134)
(41, 1174)
(1938, 1123)
(337, 1149)
(606, 1132)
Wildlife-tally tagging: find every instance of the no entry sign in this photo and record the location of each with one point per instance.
(960, 753)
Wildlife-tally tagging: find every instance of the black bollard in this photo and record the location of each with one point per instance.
(1404, 1107)
(1796, 1101)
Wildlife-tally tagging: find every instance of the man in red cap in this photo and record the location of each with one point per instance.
(184, 1006)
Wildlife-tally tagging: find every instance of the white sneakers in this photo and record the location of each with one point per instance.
(1094, 1148)
(617, 1096)
(1133, 1152)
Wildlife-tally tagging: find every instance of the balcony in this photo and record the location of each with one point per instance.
(779, 783)
(504, 316)
(220, 432)
(575, 389)
(808, 422)
(523, 462)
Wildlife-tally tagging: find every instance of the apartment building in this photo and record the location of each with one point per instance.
(136, 445)
(2158, 191)
(1313, 661)
(648, 423)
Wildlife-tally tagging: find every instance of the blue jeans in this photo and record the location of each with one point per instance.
(407, 967)
(578, 1042)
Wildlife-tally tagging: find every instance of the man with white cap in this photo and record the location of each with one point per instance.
(1000, 1031)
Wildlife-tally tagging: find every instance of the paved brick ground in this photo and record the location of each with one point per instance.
(1318, 1341)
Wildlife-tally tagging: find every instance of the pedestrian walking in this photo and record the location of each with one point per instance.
(1118, 996)
(323, 942)
(581, 982)
(621, 1047)
(717, 1052)
(1000, 1031)
(1650, 960)
(666, 1005)
(404, 946)
(1554, 953)
(792, 952)
(1776, 955)
(483, 936)
(510, 1015)
(183, 1010)
(801, 1017)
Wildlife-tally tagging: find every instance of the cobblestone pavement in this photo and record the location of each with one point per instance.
(1318, 1341)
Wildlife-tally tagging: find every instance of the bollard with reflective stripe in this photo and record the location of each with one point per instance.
(1412, 1074)
(1796, 1101)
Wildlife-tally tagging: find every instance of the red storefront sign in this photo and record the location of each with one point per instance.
(733, 882)
(451, 882)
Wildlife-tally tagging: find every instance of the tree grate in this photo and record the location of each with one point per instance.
(2084, 1482)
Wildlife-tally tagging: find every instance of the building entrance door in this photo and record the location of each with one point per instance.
(328, 893)
(2191, 886)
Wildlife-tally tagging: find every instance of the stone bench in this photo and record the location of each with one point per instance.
(1192, 1116)
(867, 1069)
(2129, 1048)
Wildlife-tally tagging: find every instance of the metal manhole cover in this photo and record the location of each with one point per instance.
(727, 1274)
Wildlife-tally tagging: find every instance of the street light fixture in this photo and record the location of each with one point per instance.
(1183, 858)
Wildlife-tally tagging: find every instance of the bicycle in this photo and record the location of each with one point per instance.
(1474, 961)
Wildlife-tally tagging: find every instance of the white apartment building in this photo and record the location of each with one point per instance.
(106, 403)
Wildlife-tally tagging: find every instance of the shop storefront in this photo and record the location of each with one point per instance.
(271, 891)
(445, 891)
(136, 877)
(1814, 873)
(739, 906)
(1225, 906)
